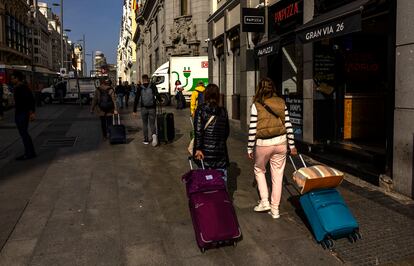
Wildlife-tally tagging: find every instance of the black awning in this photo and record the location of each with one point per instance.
(267, 48)
(343, 20)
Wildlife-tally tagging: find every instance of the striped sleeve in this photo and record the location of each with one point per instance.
(289, 130)
(252, 129)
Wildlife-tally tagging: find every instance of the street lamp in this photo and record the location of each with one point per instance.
(61, 30)
(92, 59)
(83, 55)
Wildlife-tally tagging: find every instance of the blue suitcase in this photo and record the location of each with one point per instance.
(329, 216)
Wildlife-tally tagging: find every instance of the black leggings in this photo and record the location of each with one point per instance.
(106, 121)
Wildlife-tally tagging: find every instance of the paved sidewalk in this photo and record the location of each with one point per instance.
(97, 204)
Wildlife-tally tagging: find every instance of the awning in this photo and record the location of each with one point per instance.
(343, 20)
(267, 48)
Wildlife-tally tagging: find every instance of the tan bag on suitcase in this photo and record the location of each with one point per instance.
(316, 177)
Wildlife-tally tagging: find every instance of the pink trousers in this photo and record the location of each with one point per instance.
(277, 156)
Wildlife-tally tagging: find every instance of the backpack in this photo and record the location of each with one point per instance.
(200, 98)
(106, 104)
(147, 96)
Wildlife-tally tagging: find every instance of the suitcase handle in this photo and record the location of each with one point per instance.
(293, 163)
(113, 119)
(190, 159)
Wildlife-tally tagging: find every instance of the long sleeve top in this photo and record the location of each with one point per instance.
(23, 98)
(289, 137)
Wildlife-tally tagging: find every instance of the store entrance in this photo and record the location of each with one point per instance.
(353, 85)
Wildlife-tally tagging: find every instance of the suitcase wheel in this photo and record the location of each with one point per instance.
(328, 244)
(354, 236)
(235, 244)
(203, 250)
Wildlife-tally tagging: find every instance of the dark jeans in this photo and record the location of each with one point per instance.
(106, 121)
(22, 123)
(148, 116)
(126, 99)
(180, 100)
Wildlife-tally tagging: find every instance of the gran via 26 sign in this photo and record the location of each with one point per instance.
(337, 27)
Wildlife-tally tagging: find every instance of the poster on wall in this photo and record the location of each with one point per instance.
(295, 107)
(324, 74)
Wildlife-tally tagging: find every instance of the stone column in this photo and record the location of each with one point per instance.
(403, 163)
(308, 9)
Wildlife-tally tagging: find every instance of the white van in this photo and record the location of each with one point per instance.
(188, 70)
(67, 90)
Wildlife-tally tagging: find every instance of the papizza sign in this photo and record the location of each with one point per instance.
(337, 27)
(253, 19)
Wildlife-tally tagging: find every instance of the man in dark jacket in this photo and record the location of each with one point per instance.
(24, 112)
(148, 108)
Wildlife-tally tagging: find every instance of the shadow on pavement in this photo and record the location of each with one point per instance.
(234, 172)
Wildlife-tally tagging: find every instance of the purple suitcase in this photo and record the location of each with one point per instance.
(212, 212)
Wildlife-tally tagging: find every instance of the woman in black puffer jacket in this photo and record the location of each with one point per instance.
(210, 142)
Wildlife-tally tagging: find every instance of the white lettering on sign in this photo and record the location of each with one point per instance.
(264, 51)
(325, 31)
(254, 20)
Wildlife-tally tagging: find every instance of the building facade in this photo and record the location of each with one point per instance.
(336, 64)
(169, 28)
(126, 59)
(14, 32)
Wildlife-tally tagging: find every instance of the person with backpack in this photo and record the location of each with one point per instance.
(270, 134)
(197, 97)
(147, 96)
(104, 105)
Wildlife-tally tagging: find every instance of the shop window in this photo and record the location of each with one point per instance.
(290, 79)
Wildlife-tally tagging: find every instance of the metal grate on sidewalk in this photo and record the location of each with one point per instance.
(62, 142)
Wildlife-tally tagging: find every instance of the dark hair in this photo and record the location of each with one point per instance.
(145, 77)
(200, 83)
(18, 75)
(212, 94)
(265, 90)
(177, 82)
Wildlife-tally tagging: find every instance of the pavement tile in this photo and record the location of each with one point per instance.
(17, 252)
(31, 224)
(152, 253)
(100, 248)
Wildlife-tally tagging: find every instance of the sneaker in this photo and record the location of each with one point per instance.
(262, 206)
(274, 213)
(154, 140)
(146, 142)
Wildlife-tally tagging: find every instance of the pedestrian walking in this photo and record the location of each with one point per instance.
(127, 92)
(104, 105)
(211, 130)
(120, 94)
(179, 97)
(270, 132)
(197, 97)
(147, 96)
(24, 103)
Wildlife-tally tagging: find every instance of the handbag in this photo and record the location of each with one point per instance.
(191, 145)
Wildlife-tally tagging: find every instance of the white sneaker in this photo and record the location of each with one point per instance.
(262, 206)
(274, 213)
(154, 140)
